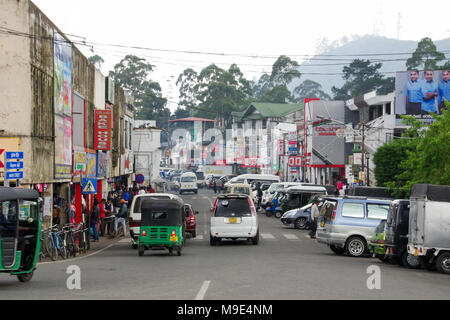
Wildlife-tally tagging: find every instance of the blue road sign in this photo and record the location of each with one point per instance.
(14, 165)
(14, 175)
(89, 186)
(14, 155)
(140, 179)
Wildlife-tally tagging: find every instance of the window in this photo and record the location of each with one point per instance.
(353, 210)
(327, 210)
(241, 190)
(159, 215)
(188, 179)
(377, 211)
(233, 208)
(8, 217)
(126, 134)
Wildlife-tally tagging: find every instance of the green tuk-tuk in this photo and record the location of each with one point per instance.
(163, 225)
(20, 229)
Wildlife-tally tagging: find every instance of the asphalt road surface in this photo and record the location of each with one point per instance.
(286, 265)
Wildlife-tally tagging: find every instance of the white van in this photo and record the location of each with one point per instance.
(188, 183)
(250, 178)
(269, 193)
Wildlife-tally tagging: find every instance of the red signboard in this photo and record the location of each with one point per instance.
(295, 161)
(102, 138)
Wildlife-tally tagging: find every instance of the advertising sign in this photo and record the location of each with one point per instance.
(63, 106)
(7, 145)
(102, 164)
(102, 137)
(91, 165)
(421, 93)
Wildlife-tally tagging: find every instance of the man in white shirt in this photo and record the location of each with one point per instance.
(314, 217)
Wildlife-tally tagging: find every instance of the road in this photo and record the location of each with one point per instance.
(286, 265)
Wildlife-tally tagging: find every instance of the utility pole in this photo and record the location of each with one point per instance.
(363, 149)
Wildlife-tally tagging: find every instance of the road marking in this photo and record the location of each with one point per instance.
(203, 289)
(124, 241)
(194, 198)
(198, 237)
(267, 236)
(290, 236)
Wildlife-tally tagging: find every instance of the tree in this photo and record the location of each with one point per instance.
(426, 56)
(187, 82)
(309, 89)
(263, 85)
(279, 94)
(284, 71)
(96, 61)
(362, 77)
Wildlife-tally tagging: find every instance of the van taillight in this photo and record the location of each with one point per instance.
(333, 216)
(215, 204)
(192, 218)
(252, 207)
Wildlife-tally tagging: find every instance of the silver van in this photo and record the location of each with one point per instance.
(347, 224)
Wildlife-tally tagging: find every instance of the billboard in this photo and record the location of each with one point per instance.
(420, 93)
(323, 121)
(102, 123)
(63, 106)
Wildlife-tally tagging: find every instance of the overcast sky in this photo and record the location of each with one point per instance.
(262, 27)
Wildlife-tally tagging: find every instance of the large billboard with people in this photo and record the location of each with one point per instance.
(421, 93)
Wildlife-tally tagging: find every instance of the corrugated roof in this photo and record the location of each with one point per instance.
(273, 110)
(193, 120)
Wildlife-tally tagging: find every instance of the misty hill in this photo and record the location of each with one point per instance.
(332, 60)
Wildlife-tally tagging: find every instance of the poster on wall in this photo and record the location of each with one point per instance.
(63, 106)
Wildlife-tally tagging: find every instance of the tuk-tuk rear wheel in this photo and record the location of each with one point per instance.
(25, 277)
(141, 251)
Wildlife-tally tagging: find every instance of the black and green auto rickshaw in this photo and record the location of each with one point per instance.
(163, 226)
(20, 228)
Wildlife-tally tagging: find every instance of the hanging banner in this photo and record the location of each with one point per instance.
(63, 106)
(102, 138)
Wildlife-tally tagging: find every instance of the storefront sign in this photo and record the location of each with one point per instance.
(102, 164)
(102, 138)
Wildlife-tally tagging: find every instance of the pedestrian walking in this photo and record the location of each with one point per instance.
(215, 186)
(95, 215)
(150, 189)
(121, 216)
(260, 194)
(109, 216)
(102, 217)
(314, 217)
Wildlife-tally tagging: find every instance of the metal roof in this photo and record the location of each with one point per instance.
(7, 194)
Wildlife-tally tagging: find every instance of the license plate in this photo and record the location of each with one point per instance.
(174, 239)
(416, 253)
(233, 220)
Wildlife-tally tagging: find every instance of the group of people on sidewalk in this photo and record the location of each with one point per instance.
(107, 215)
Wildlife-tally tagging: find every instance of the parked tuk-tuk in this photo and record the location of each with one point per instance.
(163, 225)
(376, 244)
(397, 226)
(20, 228)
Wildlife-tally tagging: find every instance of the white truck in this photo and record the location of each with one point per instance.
(429, 226)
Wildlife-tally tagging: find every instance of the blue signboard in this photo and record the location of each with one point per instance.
(89, 186)
(14, 175)
(14, 165)
(140, 179)
(14, 155)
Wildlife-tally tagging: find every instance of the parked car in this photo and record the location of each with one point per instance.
(299, 218)
(135, 212)
(234, 217)
(347, 224)
(201, 183)
(274, 187)
(250, 178)
(397, 229)
(191, 223)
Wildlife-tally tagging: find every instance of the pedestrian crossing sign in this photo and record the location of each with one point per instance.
(89, 186)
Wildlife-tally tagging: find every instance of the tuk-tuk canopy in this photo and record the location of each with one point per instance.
(431, 192)
(162, 212)
(9, 194)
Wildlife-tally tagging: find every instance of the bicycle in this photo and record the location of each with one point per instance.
(44, 244)
(56, 244)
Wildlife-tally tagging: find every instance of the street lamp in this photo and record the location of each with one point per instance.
(368, 172)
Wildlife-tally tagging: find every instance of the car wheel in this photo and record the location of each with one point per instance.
(194, 234)
(25, 277)
(443, 263)
(337, 250)
(300, 223)
(141, 251)
(255, 240)
(278, 214)
(134, 246)
(356, 246)
(212, 241)
(410, 261)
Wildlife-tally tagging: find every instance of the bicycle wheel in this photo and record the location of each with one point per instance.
(51, 247)
(62, 246)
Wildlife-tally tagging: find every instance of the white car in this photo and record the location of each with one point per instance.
(135, 212)
(234, 217)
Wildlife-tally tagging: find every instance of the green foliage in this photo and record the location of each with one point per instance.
(426, 56)
(96, 60)
(309, 89)
(278, 94)
(427, 158)
(362, 77)
(132, 74)
(284, 71)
